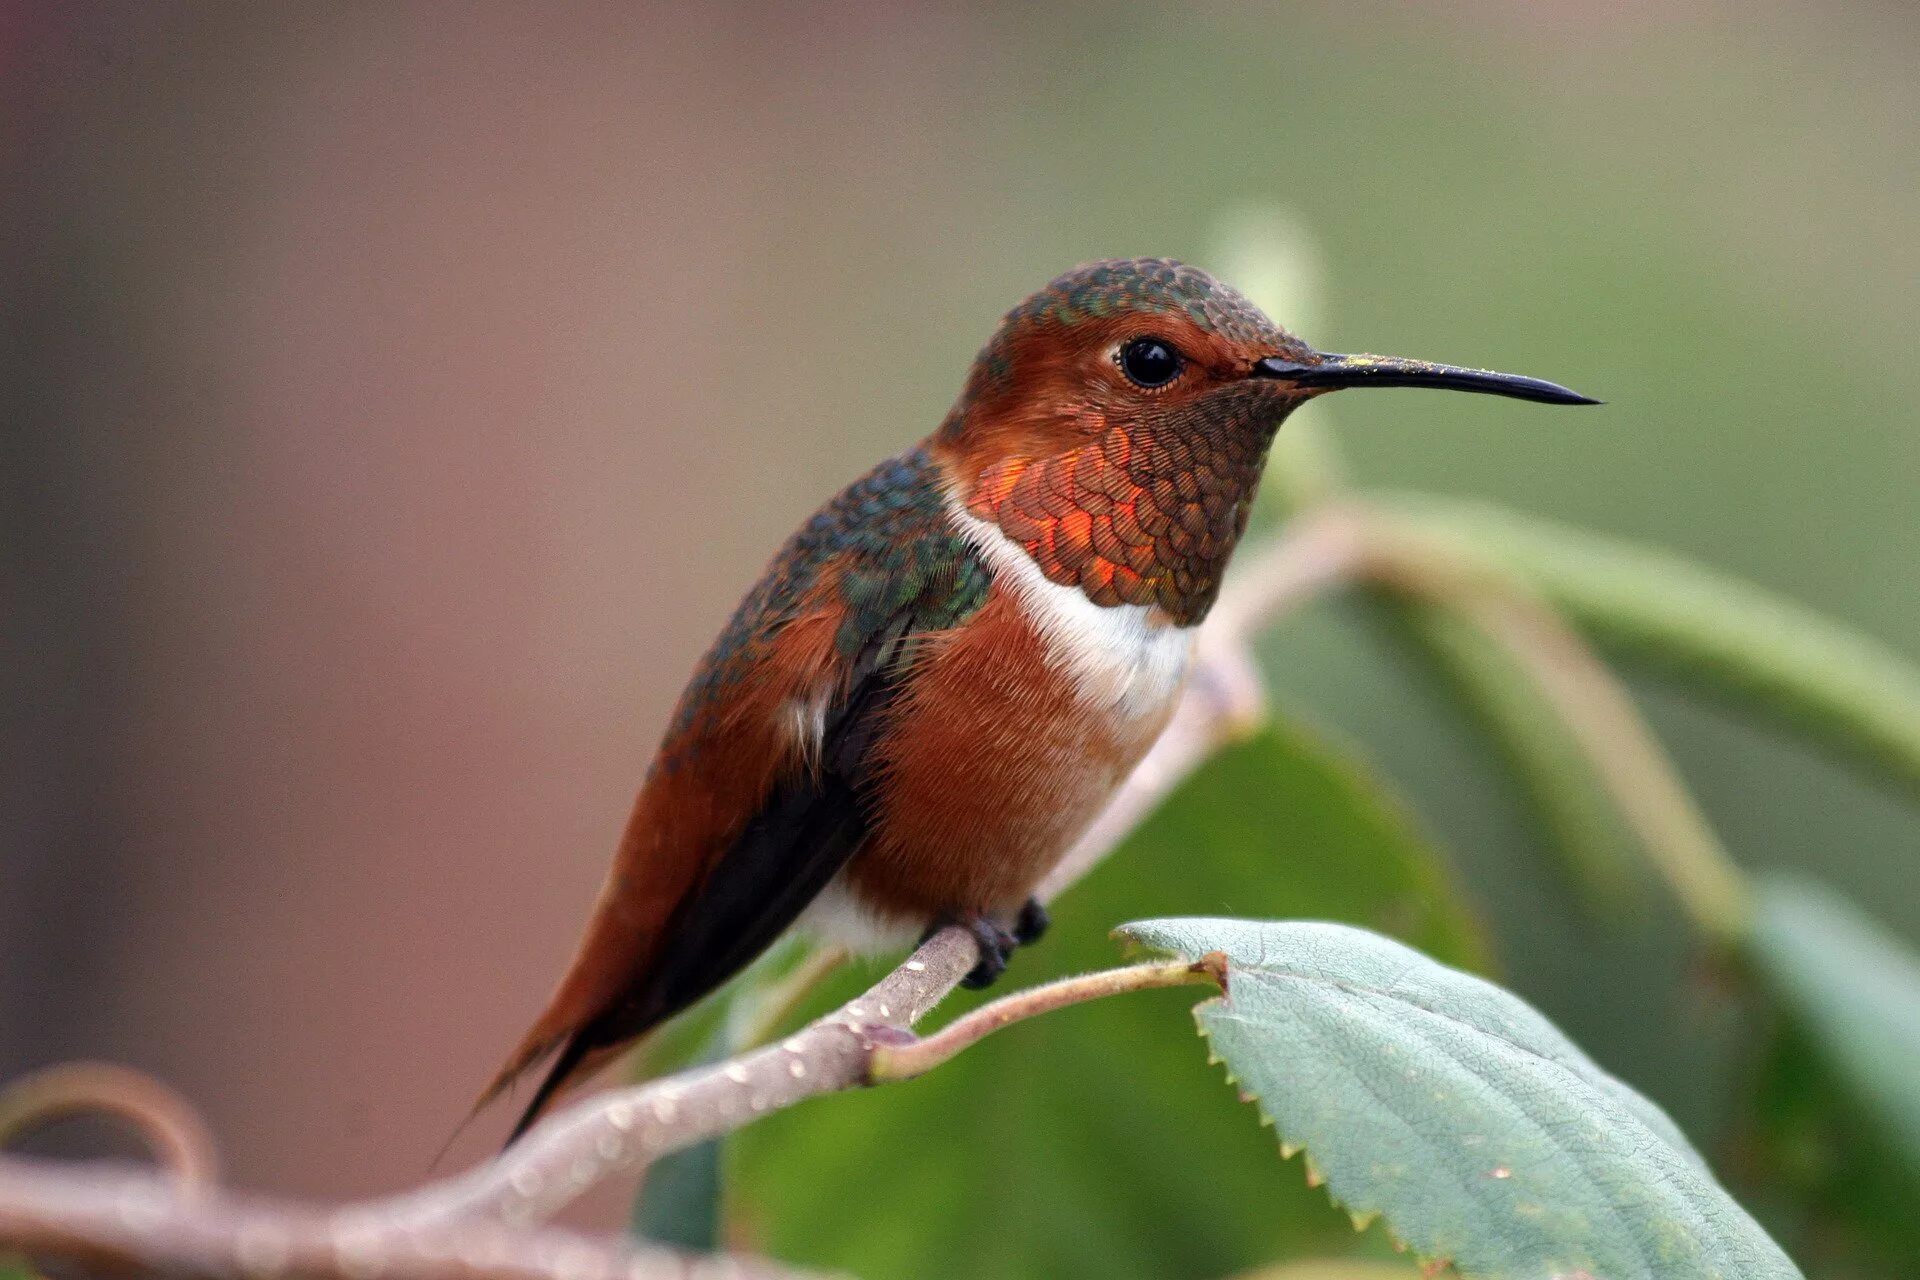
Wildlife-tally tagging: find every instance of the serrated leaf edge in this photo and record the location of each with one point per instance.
(1362, 1218)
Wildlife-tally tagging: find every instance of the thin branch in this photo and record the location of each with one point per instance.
(759, 1019)
(905, 1061)
(171, 1128)
(625, 1129)
(112, 1220)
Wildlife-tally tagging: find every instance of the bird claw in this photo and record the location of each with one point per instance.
(995, 940)
(1031, 924)
(996, 943)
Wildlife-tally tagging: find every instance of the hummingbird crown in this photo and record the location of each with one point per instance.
(1142, 287)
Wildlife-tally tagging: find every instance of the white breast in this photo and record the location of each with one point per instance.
(1127, 658)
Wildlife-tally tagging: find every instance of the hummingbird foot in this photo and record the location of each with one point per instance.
(995, 940)
(1031, 924)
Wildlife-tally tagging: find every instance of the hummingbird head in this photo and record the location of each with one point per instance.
(1130, 403)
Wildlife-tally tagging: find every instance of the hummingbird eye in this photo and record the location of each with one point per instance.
(1150, 362)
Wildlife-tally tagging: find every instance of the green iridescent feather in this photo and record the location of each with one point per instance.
(895, 546)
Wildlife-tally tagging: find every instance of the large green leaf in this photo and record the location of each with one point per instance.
(1818, 1167)
(1453, 1108)
(1582, 823)
(1844, 688)
(1094, 1142)
(1855, 988)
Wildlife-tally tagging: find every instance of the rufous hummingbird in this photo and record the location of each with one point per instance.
(945, 673)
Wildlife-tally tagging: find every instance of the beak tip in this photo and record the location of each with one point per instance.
(1541, 392)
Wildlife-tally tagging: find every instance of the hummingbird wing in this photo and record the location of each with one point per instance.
(762, 789)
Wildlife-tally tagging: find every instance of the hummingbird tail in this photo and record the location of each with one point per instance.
(535, 1047)
(580, 1058)
(524, 1057)
(564, 1067)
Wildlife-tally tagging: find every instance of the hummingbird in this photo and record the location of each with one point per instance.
(946, 672)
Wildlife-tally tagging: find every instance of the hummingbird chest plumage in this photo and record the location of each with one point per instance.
(1026, 708)
(944, 675)
(1021, 722)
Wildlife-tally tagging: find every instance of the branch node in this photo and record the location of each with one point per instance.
(1214, 965)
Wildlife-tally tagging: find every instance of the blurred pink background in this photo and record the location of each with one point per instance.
(426, 346)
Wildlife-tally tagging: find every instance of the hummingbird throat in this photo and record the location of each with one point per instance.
(1133, 517)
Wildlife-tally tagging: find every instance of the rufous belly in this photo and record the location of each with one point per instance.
(1007, 746)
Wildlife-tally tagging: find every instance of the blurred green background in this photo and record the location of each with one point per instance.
(399, 401)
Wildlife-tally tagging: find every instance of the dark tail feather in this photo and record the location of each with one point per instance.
(559, 1075)
(452, 1138)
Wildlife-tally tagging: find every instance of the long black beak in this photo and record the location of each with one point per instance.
(1331, 372)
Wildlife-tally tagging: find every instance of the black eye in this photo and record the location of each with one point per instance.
(1150, 362)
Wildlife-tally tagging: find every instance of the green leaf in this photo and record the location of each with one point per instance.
(1284, 806)
(1451, 1107)
(1094, 1142)
(1847, 690)
(1819, 1168)
(1856, 989)
(1582, 824)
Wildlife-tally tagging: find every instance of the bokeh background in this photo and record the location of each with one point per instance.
(397, 398)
